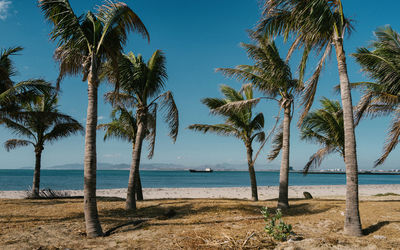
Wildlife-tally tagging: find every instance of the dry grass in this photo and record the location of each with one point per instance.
(192, 224)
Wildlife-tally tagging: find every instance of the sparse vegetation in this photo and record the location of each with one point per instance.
(387, 194)
(197, 224)
(276, 227)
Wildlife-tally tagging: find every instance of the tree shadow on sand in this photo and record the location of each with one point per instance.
(215, 211)
(375, 227)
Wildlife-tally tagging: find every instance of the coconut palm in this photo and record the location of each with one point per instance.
(381, 98)
(140, 87)
(272, 76)
(325, 127)
(317, 25)
(239, 123)
(84, 43)
(40, 122)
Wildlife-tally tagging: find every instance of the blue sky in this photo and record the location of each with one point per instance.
(197, 37)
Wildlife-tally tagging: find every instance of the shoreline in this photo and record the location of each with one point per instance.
(265, 192)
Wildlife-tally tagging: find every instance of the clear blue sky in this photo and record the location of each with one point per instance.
(197, 37)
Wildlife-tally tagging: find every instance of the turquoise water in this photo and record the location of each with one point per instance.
(21, 179)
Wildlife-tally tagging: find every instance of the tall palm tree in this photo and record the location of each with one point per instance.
(140, 87)
(381, 98)
(317, 25)
(84, 43)
(40, 122)
(272, 76)
(239, 123)
(325, 127)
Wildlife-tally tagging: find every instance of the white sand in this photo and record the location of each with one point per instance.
(264, 192)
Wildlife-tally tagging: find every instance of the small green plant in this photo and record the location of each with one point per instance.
(276, 227)
(387, 194)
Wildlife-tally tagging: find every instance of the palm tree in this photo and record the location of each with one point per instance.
(319, 24)
(325, 127)
(272, 76)
(140, 86)
(381, 98)
(84, 43)
(239, 123)
(40, 122)
(124, 126)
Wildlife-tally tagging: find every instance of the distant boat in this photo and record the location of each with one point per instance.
(207, 170)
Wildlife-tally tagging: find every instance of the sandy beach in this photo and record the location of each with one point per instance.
(265, 192)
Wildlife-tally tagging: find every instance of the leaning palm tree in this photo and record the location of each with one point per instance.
(84, 43)
(40, 122)
(272, 76)
(239, 123)
(140, 87)
(324, 127)
(317, 25)
(381, 98)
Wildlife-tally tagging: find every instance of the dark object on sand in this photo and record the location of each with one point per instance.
(170, 213)
(307, 195)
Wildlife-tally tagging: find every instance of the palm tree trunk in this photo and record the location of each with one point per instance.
(36, 173)
(138, 186)
(93, 227)
(133, 175)
(283, 200)
(352, 224)
(253, 181)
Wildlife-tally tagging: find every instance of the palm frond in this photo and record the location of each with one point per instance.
(311, 88)
(18, 128)
(66, 23)
(259, 137)
(123, 125)
(391, 141)
(157, 73)
(235, 107)
(63, 130)
(119, 19)
(152, 129)
(276, 144)
(171, 115)
(15, 143)
(316, 159)
(258, 122)
(220, 129)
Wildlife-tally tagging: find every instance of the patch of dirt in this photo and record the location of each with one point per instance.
(193, 224)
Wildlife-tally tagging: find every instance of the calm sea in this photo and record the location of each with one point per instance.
(21, 179)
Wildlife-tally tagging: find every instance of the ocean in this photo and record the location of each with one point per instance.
(21, 179)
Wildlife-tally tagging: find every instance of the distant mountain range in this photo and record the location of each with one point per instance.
(160, 166)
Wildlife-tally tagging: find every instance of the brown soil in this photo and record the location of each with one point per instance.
(193, 224)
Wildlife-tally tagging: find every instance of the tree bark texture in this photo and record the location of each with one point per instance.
(252, 173)
(134, 172)
(138, 186)
(36, 173)
(283, 200)
(352, 224)
(93, 227)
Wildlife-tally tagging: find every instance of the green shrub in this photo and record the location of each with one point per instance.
(276, 227)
